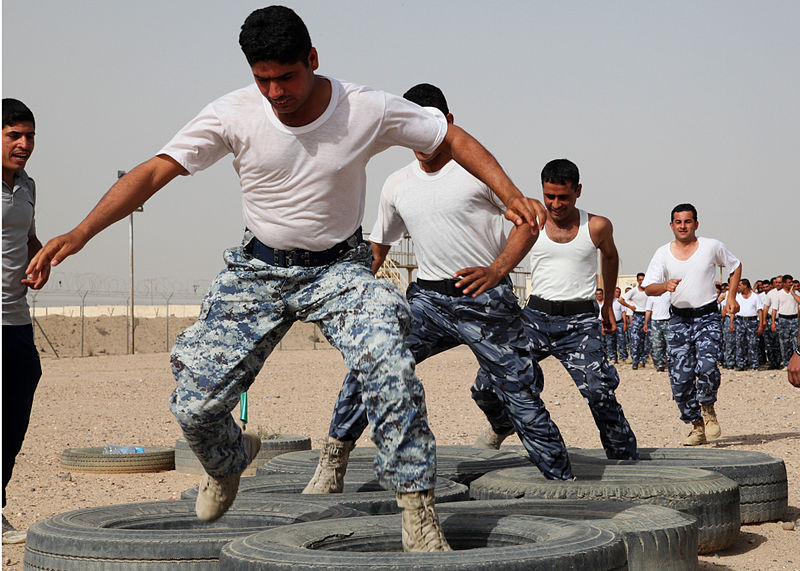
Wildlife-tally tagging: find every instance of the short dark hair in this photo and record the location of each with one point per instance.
(640, 274)
(15, 111)
(746, 282)
(685, 207)
(427, 95)
(275, 33)
(788, 278)
(598, 289)
(561, 171)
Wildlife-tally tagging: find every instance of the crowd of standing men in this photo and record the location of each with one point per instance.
(761, 335)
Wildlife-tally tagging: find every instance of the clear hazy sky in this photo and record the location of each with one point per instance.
(657, 102)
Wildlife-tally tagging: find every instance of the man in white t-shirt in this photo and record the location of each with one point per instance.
(462, 296)
(656, 319)
(785, 317)
(620, 343)
(300, 143)
(748, 325)
(561, 315)
(636, 300)
(771, 343)
(686, 267)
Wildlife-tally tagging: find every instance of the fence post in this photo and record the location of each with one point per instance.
(167, 298)
(83, 302)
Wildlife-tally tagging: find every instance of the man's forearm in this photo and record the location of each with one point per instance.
(609, 268)
(655, 290)
(379, 253)
(518, 245)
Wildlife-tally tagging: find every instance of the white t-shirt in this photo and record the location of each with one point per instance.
(763, 297)
(454, 219)
(750, 306)
(659, 306)
(565, 272)
(637, 298)
(697, 274)
(304, 187)
(785, 303)
(618, 308)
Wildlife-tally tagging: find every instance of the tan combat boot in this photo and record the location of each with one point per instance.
(490, 439)
(698, 434)
(215, 495)
(329, 476)
(421, 529)
(713, 430)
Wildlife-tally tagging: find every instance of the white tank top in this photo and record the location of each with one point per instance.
(565, 272)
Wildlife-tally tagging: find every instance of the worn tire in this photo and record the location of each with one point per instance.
(461, 464)
(479, 542)
(153, 459)
(156, 535)
(763, 490)
(187, 462)
(365, 495)
(709, 497)
(655, 537)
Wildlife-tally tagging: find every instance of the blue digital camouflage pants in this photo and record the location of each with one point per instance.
(609, 344)
(622, 341)
(575, 341)
(658, 333)
(746, 343)
(772, 346)
(250, 307)
(787, 337)
(637, 346)
(728, 343)
(491, 325)
(693, 349)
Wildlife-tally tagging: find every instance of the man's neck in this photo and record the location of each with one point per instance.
(313, 108)
(8, 177)
(436, 164)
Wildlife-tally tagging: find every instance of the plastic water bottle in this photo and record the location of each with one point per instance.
(116, 449)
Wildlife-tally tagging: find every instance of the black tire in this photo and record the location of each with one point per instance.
(709, 497)
(187, 462)
(479, 542)
(153, 459)
(156, 535)
(365, 495)
(763, 490)
(460, 464)
(655, 537)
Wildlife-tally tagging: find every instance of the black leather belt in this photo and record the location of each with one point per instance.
(562, 307)
(748, 318)
(444, 287)
(782, 316)
(710, 307)
(304, 258)
(639, 312)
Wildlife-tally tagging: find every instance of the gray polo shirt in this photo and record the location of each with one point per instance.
(18, 223)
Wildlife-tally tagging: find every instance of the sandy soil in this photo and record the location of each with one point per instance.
(122, 399)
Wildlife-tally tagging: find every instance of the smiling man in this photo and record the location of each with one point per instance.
(300, 143)
(21, 366)
(561, 315)
(686, 267)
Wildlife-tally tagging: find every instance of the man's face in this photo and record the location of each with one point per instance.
(287, 87)
(18, 141)
(741, 288)
(598, 295)
(777, 283)
(560, 199)
(617, 292)
(639, 279)
(796, 285)
(683, 226)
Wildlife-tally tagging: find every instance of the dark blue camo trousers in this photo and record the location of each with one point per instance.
(250, 307)
(637, 345)
(622, 341)
(491, 325)
(787, 337)
(746, 343)
(772, 346)
(658, 333)
(575, 341)
(729, 342)
(693, 349)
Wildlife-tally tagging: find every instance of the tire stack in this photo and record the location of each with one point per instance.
(658, 513)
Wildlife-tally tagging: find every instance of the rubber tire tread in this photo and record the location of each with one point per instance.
(153, 459)
(655, 537)
(518, 542)
(362, 495)
(156, 535)
(763, 488)
(709, 497)
(461, 464)
(187, 463)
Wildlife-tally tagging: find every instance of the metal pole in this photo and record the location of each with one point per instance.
(133, 315)
(83, 303)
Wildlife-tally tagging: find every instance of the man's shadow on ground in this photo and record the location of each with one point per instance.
(754, 439)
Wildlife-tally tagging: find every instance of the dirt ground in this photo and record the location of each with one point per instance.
(122, 399)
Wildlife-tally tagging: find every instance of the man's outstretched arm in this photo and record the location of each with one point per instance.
(127, 194)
